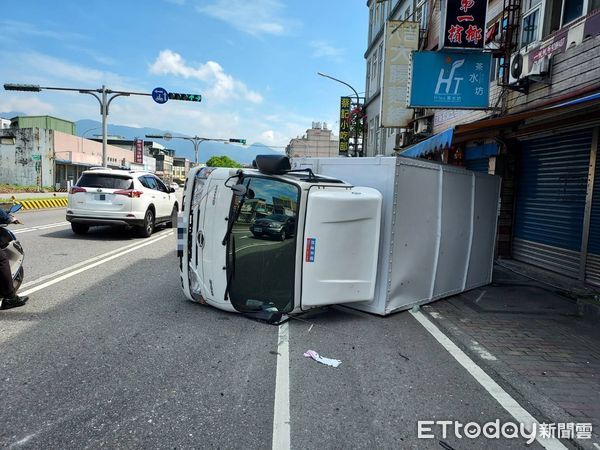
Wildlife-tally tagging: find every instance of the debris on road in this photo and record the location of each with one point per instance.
(327, 361)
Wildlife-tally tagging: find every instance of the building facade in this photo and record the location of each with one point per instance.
(318, 141)
(50, 158)
(540, 133)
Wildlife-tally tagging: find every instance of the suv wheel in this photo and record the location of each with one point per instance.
(148, 227)
(79, 228)
(173, 222)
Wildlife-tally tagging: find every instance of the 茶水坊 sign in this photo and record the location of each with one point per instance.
(463, 24)
(450, 80)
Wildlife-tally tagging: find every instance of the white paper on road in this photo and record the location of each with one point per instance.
(327, 361)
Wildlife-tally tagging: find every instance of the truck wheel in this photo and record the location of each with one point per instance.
(148, 227)
(79, 228)
(18, 279)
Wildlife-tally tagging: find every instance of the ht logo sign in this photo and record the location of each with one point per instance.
(450, 79)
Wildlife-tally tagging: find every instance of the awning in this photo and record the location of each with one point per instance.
(435, 143)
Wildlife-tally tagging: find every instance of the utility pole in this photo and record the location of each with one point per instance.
(196, 140)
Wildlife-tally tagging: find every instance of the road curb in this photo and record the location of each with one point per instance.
(38, 204)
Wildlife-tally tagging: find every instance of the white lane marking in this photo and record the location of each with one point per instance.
(82, 263)
(480, 296)
(40, 227)
(281, 410)
(91, 266)
(500, 395)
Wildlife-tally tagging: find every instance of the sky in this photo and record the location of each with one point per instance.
(254, 62)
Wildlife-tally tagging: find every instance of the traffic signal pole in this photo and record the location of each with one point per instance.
(196, 140)
(105, 97)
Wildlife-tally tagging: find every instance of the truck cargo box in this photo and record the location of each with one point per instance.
(438, 226)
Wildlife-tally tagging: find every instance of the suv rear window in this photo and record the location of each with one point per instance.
(106, 181)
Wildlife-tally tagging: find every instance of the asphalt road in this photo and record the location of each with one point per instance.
(109, 353)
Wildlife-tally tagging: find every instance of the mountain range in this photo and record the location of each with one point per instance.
(242, 154)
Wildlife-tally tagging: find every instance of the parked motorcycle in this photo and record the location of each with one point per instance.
(14, 251)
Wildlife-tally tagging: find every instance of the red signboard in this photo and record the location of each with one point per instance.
(463, 23)
(138, 156)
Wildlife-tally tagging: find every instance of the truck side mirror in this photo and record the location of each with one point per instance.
(238, 189)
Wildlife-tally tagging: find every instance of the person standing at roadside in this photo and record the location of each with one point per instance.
(7, 289)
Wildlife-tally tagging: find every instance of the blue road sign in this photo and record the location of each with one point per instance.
(450, 80)
(160, 95)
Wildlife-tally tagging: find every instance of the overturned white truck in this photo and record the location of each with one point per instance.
(378, 234)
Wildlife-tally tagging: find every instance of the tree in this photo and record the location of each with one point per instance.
(222, 161)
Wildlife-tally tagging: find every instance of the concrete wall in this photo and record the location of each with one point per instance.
(17, 166)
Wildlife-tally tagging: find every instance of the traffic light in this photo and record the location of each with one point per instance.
(185, 97)
(241, 141)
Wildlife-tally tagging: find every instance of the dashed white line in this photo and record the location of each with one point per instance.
(500, 395)
(281, 410)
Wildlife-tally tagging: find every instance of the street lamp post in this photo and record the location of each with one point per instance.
(196, 140)
(355, 132)
(104, 99)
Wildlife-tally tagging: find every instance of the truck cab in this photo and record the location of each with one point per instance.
(271, 241)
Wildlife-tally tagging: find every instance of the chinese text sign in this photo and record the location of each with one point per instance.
(450, 80)
(463, 22)
(400, 39)
(345, 103)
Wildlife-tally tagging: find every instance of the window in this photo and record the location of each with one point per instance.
(423, 14)
(379, 64)
(374, 65)
(531, 23)
(371, 132)
(261, 250)
(160, 185)
(370, 23)
(572, 9)
(367, 87)
(377, 135)
(105, 181)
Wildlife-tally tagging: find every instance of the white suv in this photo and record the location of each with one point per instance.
(121, 197)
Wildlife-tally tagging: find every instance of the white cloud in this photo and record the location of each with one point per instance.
(323, 49)
(27, 105)
(254, 17)
(222, 86)
(268, 136)
(17, 29)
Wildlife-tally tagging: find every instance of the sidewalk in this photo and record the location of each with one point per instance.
(532, 337)
(33, 195)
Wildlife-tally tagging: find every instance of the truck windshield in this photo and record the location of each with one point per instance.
(262, 246)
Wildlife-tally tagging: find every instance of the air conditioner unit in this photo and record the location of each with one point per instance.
(522, 70)
(423, 126)
(401, 139)
(539, 69)
(519, 67)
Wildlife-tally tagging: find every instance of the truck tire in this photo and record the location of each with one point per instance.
(173, 222)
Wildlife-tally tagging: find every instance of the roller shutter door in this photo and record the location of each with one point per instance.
(550, 205)
(478, 165)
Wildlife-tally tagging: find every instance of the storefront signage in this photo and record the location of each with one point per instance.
(345, 103)
(400, 39)
(463, 24)
(450, 80)
(138, 151)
